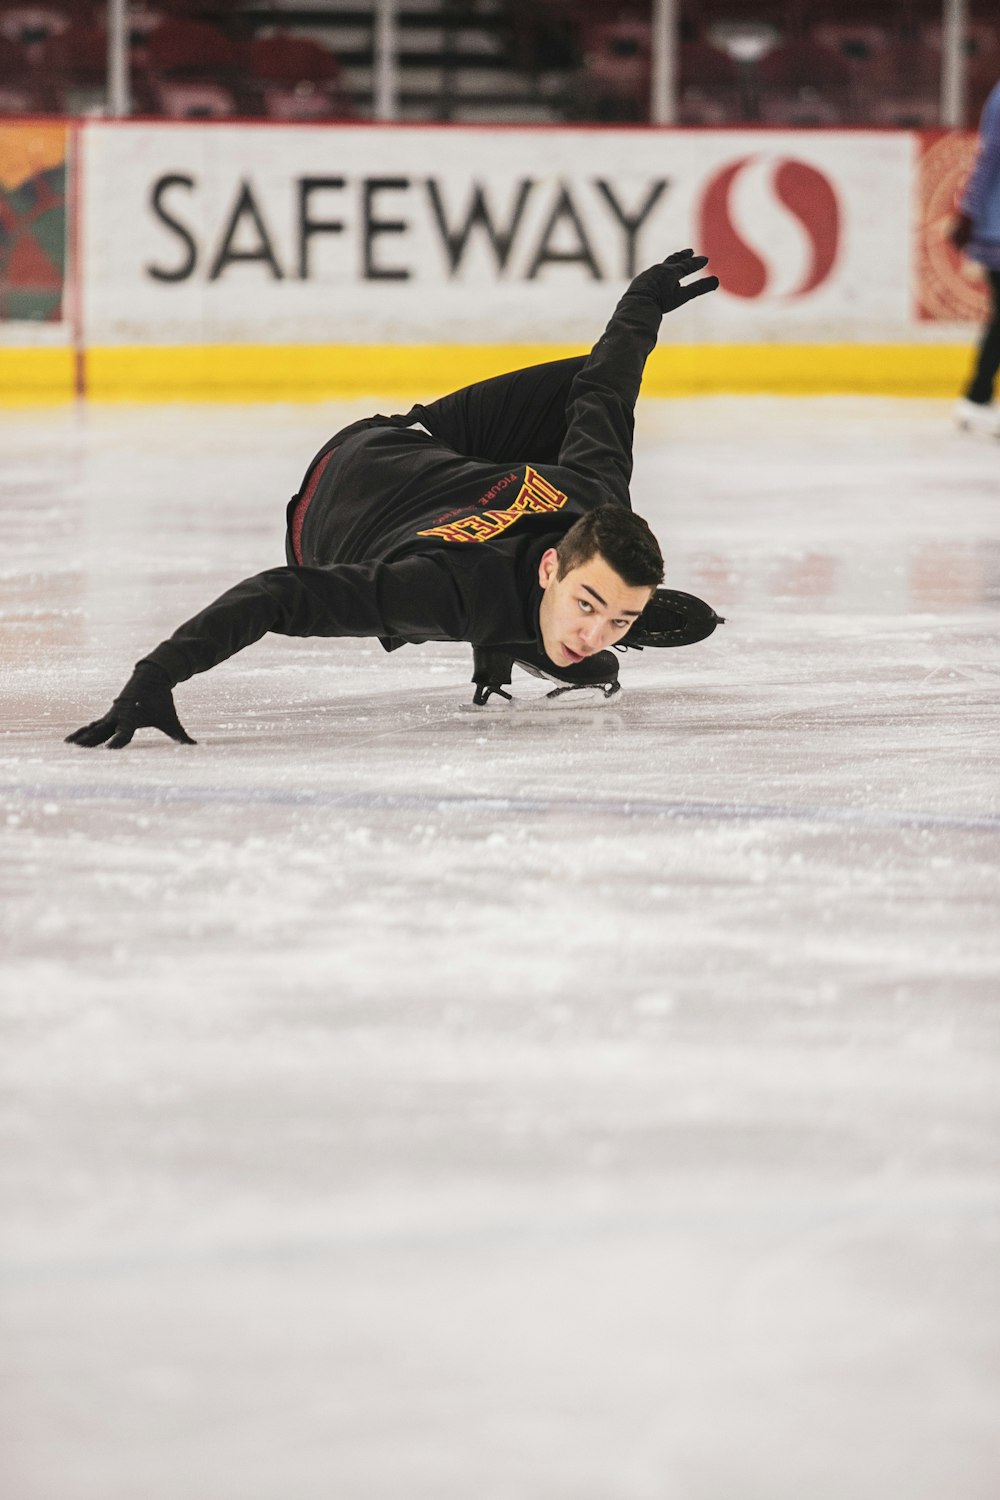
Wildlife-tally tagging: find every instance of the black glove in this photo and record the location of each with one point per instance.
(672, 618)
(663, 282)
(145, 702)
(960, 232)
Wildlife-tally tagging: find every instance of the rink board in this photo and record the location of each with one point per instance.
(260, 373)
(253, 261)
(304, 373)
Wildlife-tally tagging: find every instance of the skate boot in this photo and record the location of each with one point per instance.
(975, 416)
(492, 672)
(671, 618)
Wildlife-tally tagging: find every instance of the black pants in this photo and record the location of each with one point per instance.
(508, 419)
(514, 418)
(983, 383)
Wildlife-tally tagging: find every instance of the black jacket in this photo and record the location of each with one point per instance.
(407, 540)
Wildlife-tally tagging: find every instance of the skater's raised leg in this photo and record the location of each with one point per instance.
(508, 419)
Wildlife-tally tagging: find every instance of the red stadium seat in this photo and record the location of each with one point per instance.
(860, 44)
(617, 70)
(981, 39)
(194, 99)
(194, 72)
(709, 90)
(76, 64)
(191, 49)
(297, 79)
(906, 86)
(24, 89)
(801, 83)
(30, 26)
(143, 20)
(856, 42)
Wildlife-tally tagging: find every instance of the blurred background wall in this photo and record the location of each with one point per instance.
(298, 198)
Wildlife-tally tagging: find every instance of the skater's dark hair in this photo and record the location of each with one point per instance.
(622, 538)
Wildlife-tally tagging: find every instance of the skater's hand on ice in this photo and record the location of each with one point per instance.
(663, 282)
(145, 702)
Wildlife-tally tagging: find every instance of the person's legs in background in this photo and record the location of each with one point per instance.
(975, 410)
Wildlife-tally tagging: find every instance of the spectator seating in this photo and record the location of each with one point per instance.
(982, 54)
(23, 89)
(296, 79)
(30, 26)
(143, 20)
(617, 70)
(709, 86)
(905, 83)
(779, 62)
(861, 45)
(802, 83)
(75, 64)
(857, 42)
(194, 72)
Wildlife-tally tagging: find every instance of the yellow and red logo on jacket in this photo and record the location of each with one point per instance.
(535, 496)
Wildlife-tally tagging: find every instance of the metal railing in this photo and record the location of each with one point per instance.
(663, 93)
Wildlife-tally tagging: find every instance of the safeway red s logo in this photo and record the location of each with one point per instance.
(770, 226)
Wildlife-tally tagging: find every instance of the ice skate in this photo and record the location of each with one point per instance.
(592, 680)
(974, 416)
(672, 618)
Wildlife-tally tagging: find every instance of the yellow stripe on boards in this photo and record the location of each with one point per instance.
(279, 372)
(319, 372)
(234, 372)
(808, 369)
(36, 377)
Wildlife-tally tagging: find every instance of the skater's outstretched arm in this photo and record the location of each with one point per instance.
(415, 598)
(601, 406)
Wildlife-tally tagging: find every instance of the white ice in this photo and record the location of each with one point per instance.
(408, 1102)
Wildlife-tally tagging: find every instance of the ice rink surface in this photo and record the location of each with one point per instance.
(403, 1101)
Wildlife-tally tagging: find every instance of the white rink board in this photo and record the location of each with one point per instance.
(226, 234)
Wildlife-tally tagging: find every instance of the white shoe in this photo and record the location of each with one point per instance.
(973, 417)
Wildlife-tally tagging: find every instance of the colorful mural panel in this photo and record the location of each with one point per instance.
(949, 288)
(33, 222)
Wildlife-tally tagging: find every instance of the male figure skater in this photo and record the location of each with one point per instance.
(498, 515)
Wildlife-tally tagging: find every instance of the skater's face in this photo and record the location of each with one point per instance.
(587, 610)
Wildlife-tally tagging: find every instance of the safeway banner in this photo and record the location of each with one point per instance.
(314, 235)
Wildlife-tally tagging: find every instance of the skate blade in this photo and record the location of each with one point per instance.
(560, 700)
(569, 695)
